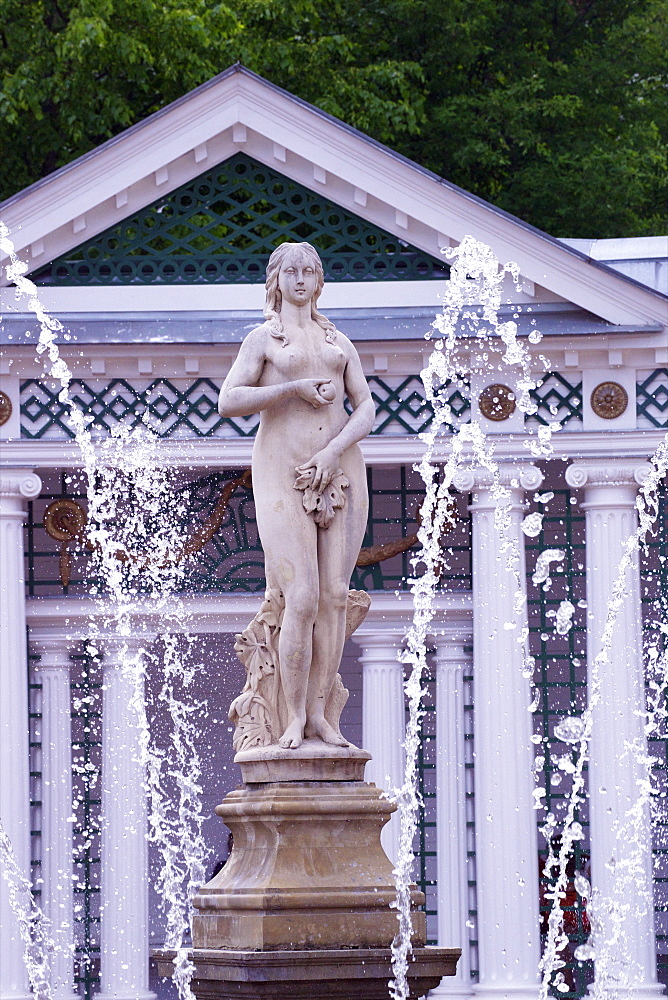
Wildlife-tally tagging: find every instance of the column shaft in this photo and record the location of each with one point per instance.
(124, 912)
(383, 720)
(15, 487)
(506, 835)
(452, 875)
(619, 840)
(53, 672)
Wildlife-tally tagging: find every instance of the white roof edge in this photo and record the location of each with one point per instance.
(349, 155)
(622, 248)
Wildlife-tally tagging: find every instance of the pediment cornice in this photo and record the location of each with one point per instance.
(240, 111)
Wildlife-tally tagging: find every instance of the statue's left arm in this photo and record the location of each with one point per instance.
(359, 424)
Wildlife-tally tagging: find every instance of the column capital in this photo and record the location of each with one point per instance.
(516, 475)
(379, 638)
(53, 647)
(19, 484)
(607, 472)
(449, 649)
(111, 643)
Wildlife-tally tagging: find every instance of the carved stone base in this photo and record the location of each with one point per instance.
(312, 761)
(340, 974)
(307, 870)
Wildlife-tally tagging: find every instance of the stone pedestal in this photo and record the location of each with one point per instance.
(307, 870)
(328, 974)
(303, 906)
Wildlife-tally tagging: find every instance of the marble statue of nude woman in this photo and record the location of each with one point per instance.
(309, 478)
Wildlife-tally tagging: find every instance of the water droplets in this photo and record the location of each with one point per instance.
(541, 573)
(564, 617)
(532, 525)
(570, 730)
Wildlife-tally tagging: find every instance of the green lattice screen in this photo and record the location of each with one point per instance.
(222, 227)
(561, 680)
(232, 560)
(654, 590)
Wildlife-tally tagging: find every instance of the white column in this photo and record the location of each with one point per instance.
(452, 875)
(16, 486)
(124, 937)
(615, 774)
(53, 673)
(383, 719)
(506, 836)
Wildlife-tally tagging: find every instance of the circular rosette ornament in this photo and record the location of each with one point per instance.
(497, 402)
(609, 400)
(5, 408)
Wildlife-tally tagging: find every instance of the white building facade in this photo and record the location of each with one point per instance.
(150, 250)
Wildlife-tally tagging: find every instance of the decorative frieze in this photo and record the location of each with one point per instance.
(182, 408)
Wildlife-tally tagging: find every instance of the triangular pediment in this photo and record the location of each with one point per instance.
(239, 112)
(222, 226)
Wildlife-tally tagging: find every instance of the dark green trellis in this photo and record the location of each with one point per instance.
(469, 770)
(232, 560)
(222, 227)
(190, 411)
(86, 687)
(425, 841)
(652, 398)
(173, 410)
(654, 593)
(557, 399)
(560, 678)
(35, 749)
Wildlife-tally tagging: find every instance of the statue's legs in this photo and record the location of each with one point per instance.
(289, 540)
(338, 549)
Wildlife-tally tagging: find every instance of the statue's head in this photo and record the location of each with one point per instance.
(282, 255)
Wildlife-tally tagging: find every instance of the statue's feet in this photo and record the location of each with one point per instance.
(322, 729)
(293, 736)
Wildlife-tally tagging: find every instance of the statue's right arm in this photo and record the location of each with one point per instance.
(240, 395)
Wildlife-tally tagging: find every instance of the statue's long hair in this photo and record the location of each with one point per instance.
(273, 301)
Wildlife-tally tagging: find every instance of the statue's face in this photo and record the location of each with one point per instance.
(297, 279)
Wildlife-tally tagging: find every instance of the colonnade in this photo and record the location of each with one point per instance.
(124, 938)
(506, 850)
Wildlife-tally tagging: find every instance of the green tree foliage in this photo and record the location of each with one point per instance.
(555, 110)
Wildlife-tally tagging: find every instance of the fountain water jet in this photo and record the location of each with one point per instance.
(136, 547)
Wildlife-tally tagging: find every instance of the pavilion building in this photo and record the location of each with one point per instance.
(151, 250)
